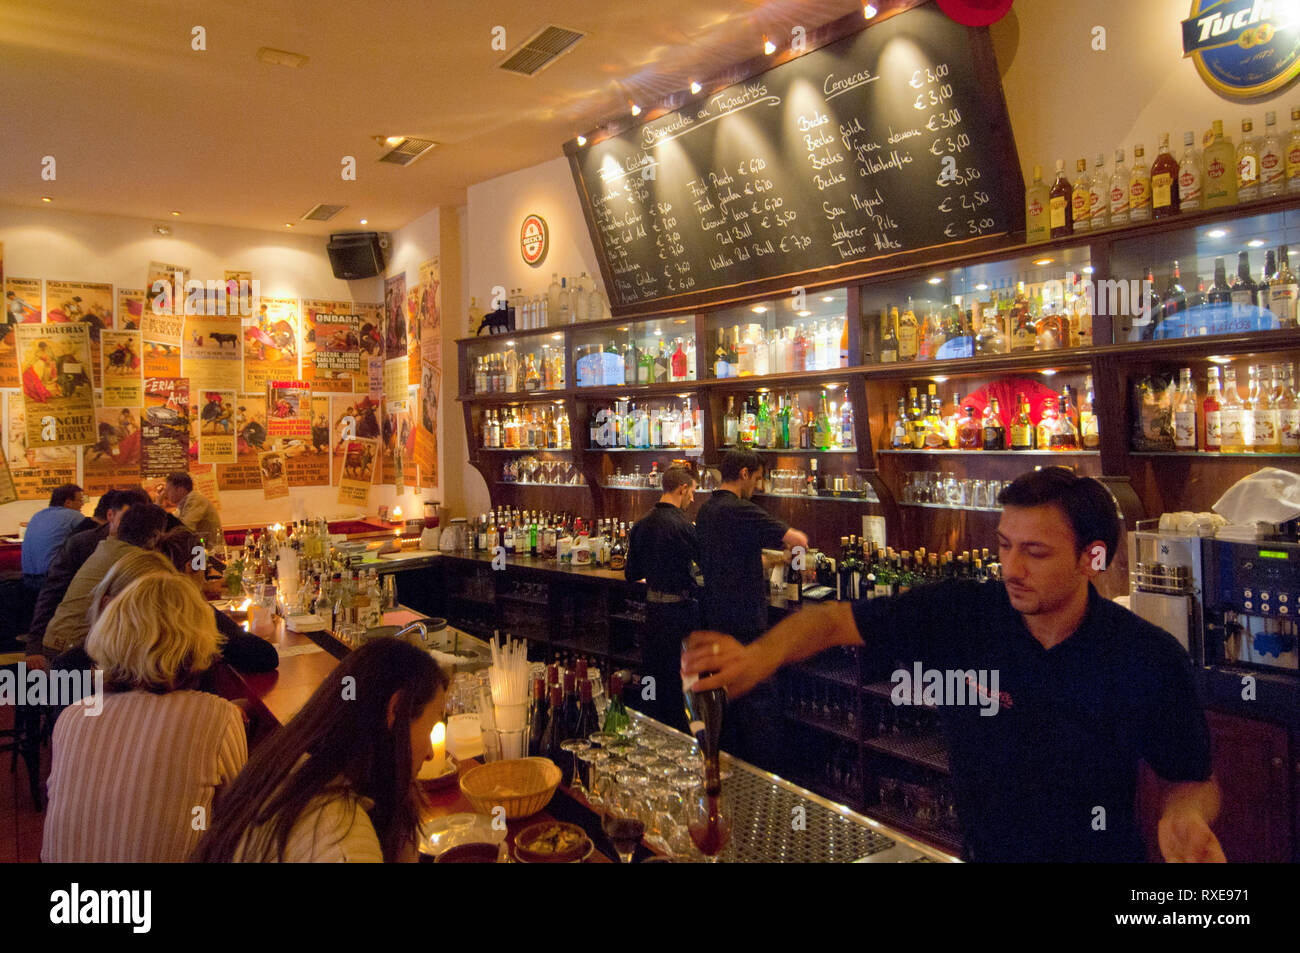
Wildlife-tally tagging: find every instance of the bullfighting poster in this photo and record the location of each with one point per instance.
(161, 360)
(351, 416)
(288, 406)
(164, 427)
(271, 344)
(114, 459)
(210, 351)
(130, 308)
(72, 302)
(22, 306)
(307, 462)
(370, 334)
(164, 305)
(57, 387)
(205, 481)
(274, 483)
(8, 492)
(336, 357)
(312, 311)
(358, 461)
(250, 442)
(426, 433)
(36, 472)
(121, 365)
(217, 426)
(398, 445)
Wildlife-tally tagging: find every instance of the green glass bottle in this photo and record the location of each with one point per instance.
(783, 432)
(822, 437)
(763, 430)
(616, 717)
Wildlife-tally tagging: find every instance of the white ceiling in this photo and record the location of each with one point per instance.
(140, 124)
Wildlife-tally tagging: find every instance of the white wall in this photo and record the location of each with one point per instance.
(58, 245)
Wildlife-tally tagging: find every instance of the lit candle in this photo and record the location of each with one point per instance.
(439, 739)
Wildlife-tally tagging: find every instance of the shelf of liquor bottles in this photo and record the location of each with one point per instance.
(949, 451)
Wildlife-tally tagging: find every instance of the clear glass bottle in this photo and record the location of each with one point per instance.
(1220, 168)
(1287, 405)
(1264, 437)
(1037, 198)
(1232, 414)
(1189, 175)
(1283, 291)
(1119, 194)
(1081, 197)
(1184, 412)
(1213, 412)
(1272, 159)
(1098, 200)
(1089, 432)
(1247, 164)
(1139, 188)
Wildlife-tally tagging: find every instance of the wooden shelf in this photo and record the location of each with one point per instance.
(524, 449)
(945, 506)
(1208, 455)
(684, 451)
(991, 453)
(927, 751)
(553, 486)
(516, 397)
(819, 498)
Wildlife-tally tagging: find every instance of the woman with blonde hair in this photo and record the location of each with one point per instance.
(137, 782)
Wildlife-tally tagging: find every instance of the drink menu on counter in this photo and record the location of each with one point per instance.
(879, 143)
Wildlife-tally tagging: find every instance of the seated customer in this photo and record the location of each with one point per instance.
(46, 532)
(137, 782)
(138, 528)
(248, 653)
(194, 509)
(337, 784)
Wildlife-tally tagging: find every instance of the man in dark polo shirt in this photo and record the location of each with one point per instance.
(1050, 694)
(663, 550)
(733, 532)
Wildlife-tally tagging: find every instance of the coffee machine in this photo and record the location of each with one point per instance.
(1252, 600)
(1165, 571)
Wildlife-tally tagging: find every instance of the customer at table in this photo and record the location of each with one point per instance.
(137, 782)
(1052, 693)
(663, 550)
(138, 528)
(337, 783)
(47, 531)
(193, 508)
(247, 653)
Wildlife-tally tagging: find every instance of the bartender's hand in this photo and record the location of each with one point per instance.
(736, 668)
(1186, 838)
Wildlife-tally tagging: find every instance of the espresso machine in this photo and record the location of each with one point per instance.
(1165, 572)
(1252, 599)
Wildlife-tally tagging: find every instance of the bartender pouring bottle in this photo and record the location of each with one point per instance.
(663, 550)
(1049, 694)
(733, 532)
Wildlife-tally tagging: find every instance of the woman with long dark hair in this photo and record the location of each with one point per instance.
(338, 782)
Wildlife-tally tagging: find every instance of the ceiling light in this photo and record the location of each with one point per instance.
(1088, 269)
(1044, 261)
(936, 280)
(695, 87)
(162, 230)
(768, 46)
(175, 212)
(281, 57)
(636, 110)
(828, 298)
(657, 331)
(556, 336)
(1048, 372)
(365, 221)
(510, 344)
(981, 287)
(394, 140)
(804, 313)
(759, 309)
(46, 198)
(939, 380)
(288, 224)
(1216, 359)
(582, 141)
(1217, 232)
(869, 10)
(1255, 243)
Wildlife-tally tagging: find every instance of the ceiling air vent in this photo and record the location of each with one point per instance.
(541, 50)
(323, 213)
(407, 151)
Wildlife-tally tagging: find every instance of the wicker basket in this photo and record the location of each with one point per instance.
(523, 786)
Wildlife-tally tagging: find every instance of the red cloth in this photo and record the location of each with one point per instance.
(33, 387)
(1006, 390)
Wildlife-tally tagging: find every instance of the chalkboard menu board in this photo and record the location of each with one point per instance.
(886, 141)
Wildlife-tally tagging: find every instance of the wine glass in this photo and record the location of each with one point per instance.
(598, 777)
(622, 822)
(710, 823)
(574, 747)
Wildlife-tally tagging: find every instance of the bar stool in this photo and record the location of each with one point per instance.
(24, 738)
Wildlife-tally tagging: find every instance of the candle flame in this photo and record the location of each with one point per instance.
(397, 512)
(439, 733)
(247, 602)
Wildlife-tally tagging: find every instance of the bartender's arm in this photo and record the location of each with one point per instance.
(801, 635)
(1190, 807)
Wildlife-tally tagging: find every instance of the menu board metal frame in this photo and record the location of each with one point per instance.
(1005, 187)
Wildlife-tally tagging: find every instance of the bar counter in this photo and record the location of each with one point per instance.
(772, 819)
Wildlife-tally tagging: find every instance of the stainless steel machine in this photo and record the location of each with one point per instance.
(1165, 572)
(1252, 599)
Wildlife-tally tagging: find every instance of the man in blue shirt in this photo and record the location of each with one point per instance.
(47, 531)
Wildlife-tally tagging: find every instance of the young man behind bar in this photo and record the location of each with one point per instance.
(1084, 688)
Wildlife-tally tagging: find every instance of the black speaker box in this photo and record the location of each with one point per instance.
(356, 255)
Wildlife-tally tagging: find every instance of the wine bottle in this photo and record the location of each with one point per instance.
(537, 731)
(704, 711)
(616, 717)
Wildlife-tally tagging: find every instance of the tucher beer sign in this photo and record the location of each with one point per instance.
(1244, 48)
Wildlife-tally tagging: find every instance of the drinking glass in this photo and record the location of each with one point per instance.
(622, 821)
(575, 747)
(952, 490)
(709, 821)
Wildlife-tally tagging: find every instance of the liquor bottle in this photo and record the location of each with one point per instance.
(797, 431)
(537, 727)
(823, 435)
(1165, 194)
(730, 424)
(661, 365)
(1220, 292)
(588, 719)
(721, 368)
(1288, 408)
(1213, 412)
(1037, 199)
(748, 425)
(1098, 200)
(762, 355)
(1063, 435)
(1046, 424)
(908, 334)
(553, 733)
(1139, 188)
(1174, 300)
(1069, 409)
(1060, 220)
(704, 711)
(898, 438)
(631, 361)
(1244, 290)
(645, 366)
(1232, 415)
(990, 339)
(888, 338)
(1264, 437)
(995, 433)
(1189, 176)
(1119, 191)
(952, 422)
(691, 369)
(970, 431)
(762, 425)
(532, 379)
(1282, 290)
(1293, 153)
(1185, 402)
(1022, 427)
(844, 344)
(1272, 159)
(846, 425)
(1081, 197)
(935, 436)
(1247, 164)
(1220, 166)
(915, 421)
(1023, 332)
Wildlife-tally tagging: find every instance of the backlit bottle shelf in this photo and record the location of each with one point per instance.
(949, 506)
(1212, 455)
(990, 453)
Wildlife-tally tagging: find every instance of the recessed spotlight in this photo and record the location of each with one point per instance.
(828, 298)
(556, 336)
(1255, 243)
(1088, 269)
(636, 110)
(936, 280)
(622, 329)
(395, 140)
(1217, 232)
(365, 221)
(759, 309)
(582, 140)
(1044, 261)
(768, 46)
(869, 10)
(162, 230)
(175, 212)
(981, 287)
(288, 224)
(46, 198)
(510, 344)
(657, 331)
(680, 321)
(695, 87)
(1216, 359)
(804, 313)
(1048, 372)
(939, 380)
